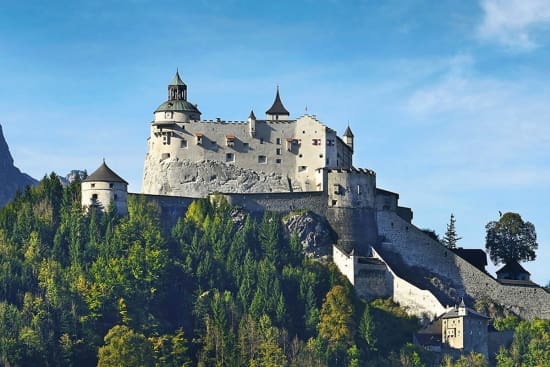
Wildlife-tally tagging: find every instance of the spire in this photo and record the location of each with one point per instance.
(348, 132)
(277, 108)
(252, 116)
(177, 79)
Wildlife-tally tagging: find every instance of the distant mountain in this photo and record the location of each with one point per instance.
(11, 178)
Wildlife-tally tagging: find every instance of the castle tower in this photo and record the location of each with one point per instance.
(104, 187)
(348, 138)
(177, 108)
(277, 110)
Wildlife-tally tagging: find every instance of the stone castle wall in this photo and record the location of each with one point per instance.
(417, 250)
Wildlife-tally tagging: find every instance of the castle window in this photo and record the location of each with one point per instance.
(278, 141)
(230, 140)
(198, 137)
(168, 114)
(246, 146)
(262, 159)
(278, 151)
(111, 185)
(183, 143)
(358, 189)
(94, 196)
(330, 142)
(320, 156)
(316, 141)
(230, 157)
(336, 189)
(261, 140)
(302, 168)
(278, 160)
(92, 185)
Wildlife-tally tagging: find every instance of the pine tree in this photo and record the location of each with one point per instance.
(450, 239)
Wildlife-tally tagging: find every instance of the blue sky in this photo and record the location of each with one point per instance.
(448, 100)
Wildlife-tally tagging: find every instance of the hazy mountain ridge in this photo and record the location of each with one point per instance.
(11, 178)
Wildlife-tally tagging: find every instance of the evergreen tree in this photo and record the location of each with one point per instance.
(451, 238)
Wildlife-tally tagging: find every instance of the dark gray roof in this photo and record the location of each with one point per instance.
(469, 312)
(348, 132)
(178, 105)
(177, 80)
(104, 174)
(252, 115)
(277, 108)
(513, 268)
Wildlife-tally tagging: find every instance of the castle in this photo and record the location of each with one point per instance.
(282, 164)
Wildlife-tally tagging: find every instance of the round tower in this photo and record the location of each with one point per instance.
(177, 108)
(104, 187)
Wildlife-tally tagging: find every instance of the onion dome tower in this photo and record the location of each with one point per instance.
(277, 110)
(177, 108)
(103, 188)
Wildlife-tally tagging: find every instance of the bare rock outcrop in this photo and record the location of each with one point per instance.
(314, 233)
(11, 178)
(198, 179)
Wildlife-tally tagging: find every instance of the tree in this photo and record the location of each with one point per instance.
(124, 347)
(366, 329)
(511, 239)
(335, 326)
(450, 239)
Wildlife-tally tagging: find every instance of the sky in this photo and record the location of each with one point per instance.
(449, 101)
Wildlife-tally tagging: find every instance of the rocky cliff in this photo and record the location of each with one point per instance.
(11, 178)
(198, 179)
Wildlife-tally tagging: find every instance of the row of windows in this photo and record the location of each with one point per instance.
(262, 159)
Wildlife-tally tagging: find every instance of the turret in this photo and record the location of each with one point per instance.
(104, 187)
(252, 124)
(462, 308)
(277, 110)
(177, 108)
(348, 138)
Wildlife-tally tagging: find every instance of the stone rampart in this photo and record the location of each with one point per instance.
(432, 260)
(171, 207)
(279, 202)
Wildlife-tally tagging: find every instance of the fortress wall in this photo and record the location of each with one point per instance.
(171, 207)
(280, 202)
(356, 228)
(418, 250)
(351, 188)
(419, 302)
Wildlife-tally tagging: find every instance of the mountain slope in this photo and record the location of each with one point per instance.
(11, 178)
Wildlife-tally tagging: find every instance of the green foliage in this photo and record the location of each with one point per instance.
(511, 239)
(531, 346)
(507, 323)
(451, 238)
(82, 288)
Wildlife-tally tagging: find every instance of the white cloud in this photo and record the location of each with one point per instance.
(513, 22)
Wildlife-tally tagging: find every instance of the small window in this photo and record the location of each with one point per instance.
(330, 142)
(261, 140)
(278, 141)
(111, 185)
(278, 160)
(198, 138)
(94, 196)
(262, 159)
(92, 185)
(316, 141)
(246, 146)
(278, 151)
(300, 156)
(168, 114)
(302, 168)
(183, 143)
(230, 157)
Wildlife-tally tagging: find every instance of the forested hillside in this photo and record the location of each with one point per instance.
(218, 289)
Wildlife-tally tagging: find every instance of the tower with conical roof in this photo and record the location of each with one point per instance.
(348, 138)
(177, 108)
(103, 188)
(277, 110)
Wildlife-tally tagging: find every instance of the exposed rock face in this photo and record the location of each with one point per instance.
(198, 179)
(314, 233)
(11, 178)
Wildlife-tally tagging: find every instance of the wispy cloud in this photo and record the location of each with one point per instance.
(513, 22)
